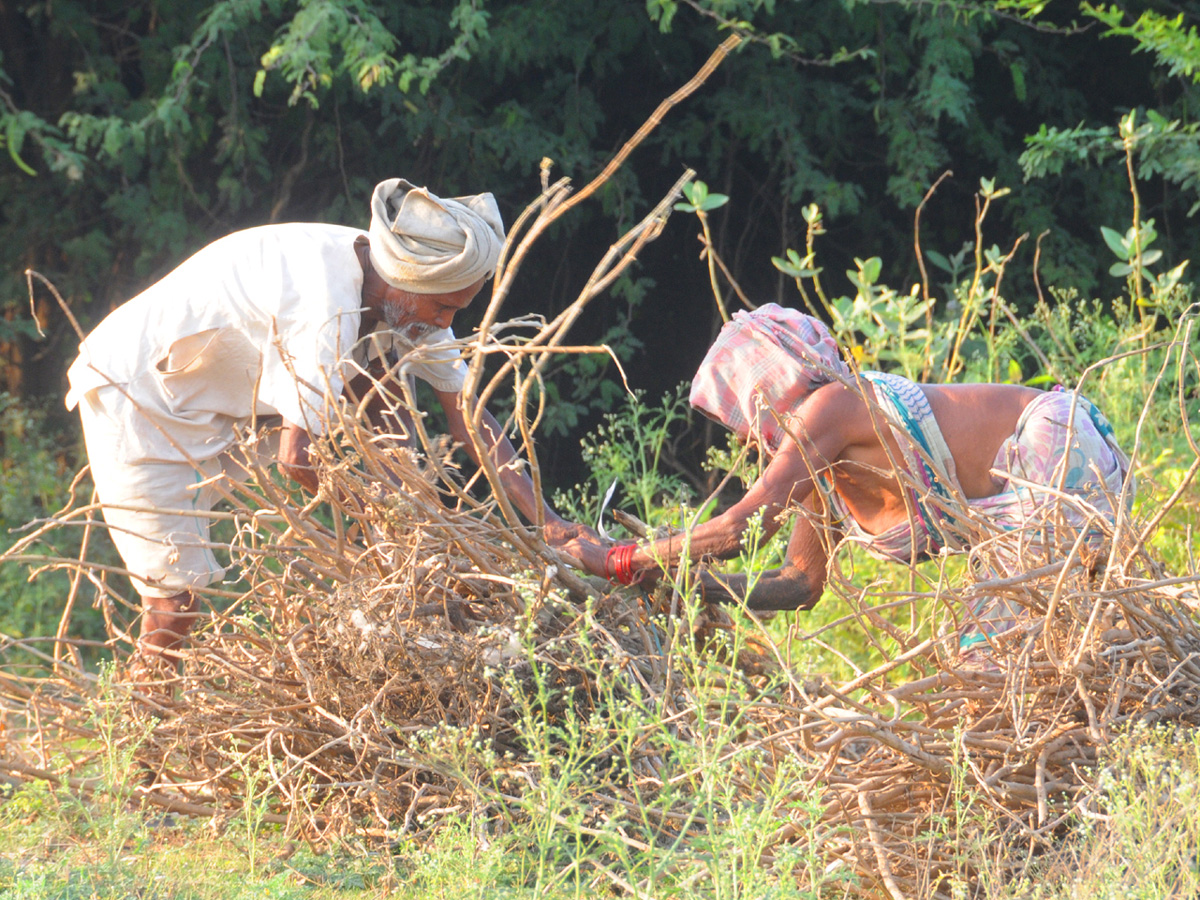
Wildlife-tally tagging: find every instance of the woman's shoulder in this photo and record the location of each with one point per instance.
(836, 416)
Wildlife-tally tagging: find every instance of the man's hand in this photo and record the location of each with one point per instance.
(294, 458)
(514, 478)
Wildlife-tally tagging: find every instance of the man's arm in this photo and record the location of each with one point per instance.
(516, 483)
(375, 394)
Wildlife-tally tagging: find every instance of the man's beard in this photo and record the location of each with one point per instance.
(400, 316)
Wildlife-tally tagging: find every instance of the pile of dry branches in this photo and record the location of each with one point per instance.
(1006, 749)
(394, 606)
(397, 608)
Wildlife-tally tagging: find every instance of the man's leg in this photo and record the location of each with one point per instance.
(166, 622)
(157, 516)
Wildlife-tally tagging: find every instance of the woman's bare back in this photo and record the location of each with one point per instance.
(975, 420)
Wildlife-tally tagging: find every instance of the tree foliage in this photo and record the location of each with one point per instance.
(136, 132)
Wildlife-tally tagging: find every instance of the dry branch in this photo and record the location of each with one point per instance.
(350, 678)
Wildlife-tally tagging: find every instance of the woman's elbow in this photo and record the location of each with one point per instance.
(785, 589)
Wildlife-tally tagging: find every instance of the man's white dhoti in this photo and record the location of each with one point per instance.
(155, 510)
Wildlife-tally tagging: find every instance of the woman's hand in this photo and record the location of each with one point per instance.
(558, 531)
(590, 551)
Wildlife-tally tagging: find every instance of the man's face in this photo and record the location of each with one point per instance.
(415, 315)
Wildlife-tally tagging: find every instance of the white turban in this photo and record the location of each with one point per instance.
(432, 245)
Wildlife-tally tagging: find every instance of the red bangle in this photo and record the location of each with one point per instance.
(609, 565)
(618, 563)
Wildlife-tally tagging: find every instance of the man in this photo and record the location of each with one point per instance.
(902, 468)
(271, 321)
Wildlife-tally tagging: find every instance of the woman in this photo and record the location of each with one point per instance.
(902, 468)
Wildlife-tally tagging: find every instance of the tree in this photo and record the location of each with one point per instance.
(150, 129)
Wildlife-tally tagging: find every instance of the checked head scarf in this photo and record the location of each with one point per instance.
(761, 367)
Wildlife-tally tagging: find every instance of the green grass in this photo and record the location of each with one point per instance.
(50, 853)
(135, 855)
(56, 847)
(1140, 838)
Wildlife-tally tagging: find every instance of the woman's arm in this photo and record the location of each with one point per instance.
(795, 585)
(829, 421)
(786, 481)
